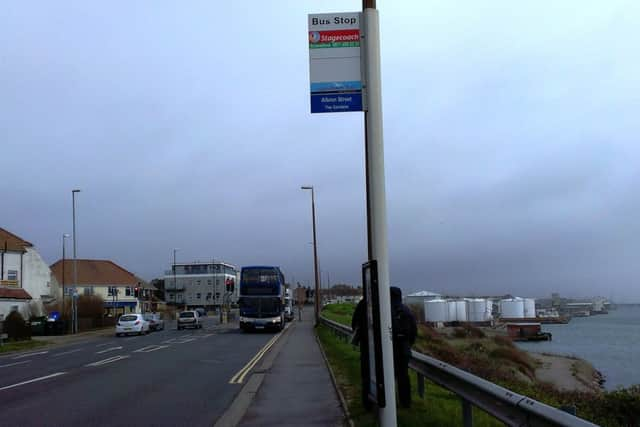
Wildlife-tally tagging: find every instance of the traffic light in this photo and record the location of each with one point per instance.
(230, 285)
(136, 292)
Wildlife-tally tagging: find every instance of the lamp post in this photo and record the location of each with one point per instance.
(75, 264)
(64, 238)
(315, 253)
(175, 284)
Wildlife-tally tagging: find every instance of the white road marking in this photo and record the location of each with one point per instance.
(14, 364)
(206, 335)
(30, 354)
(178, 340)
(109, 349)
(67, 352)
(57, 374)
(105, 361)
(103, 344)
(150, 348)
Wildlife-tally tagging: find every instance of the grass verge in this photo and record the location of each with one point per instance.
(438, 408)
(10, 346)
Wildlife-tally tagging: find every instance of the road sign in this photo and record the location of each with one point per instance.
(334, 62)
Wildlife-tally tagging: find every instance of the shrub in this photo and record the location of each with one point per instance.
(460, 333)
(515, 356)
(474, 332)
(16, 328)
(503, 341)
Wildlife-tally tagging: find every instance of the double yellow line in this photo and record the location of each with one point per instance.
(238, 378)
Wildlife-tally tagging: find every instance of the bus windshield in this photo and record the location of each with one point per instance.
(253, 276)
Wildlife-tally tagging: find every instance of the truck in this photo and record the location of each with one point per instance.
(262, 298)
(288, 306)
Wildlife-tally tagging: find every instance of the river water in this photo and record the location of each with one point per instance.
(610, 342)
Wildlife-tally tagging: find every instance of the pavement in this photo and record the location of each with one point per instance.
(297, 388)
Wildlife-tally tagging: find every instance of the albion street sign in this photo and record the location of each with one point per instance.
(334, 62)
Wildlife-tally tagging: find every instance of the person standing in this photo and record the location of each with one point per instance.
(359, 327)
(404, 336)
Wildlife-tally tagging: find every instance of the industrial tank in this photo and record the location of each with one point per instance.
(477, 310)
(451, 311)
(529, 308)
(461, 311)
(512, 308)
(489, 309)
(436, 311)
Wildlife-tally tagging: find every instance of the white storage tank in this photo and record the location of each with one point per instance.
(436, 311)
(512, 308)
(477, 310)
(529, 308)
(451, 311)
(461, 311)
(489, 309)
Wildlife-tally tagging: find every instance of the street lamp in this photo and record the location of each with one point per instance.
(65, 236)
(315, 253)
(75, 264)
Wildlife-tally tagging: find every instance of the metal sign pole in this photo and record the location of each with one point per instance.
(376, 200)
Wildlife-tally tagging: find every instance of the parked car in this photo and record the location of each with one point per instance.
(201, 311)
(132, 324)
(155, 322)
(189, 319)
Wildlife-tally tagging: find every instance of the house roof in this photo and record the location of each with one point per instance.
(95, 272)
(12, 242)
(14, 293)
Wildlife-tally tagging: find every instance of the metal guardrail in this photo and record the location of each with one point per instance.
(509, 407)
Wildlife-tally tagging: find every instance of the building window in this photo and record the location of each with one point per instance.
(198, 282)
(209, 282)
(208, 296)
(88, 291)
(198, 295)
(12, 274)
(128, 291)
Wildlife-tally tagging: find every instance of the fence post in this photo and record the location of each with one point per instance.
(467, 413)
(420, 384)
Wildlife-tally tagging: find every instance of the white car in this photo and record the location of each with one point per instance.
(132, 324)
(189, 319)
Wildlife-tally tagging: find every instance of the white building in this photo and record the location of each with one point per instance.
(26, 282)
(418, 298)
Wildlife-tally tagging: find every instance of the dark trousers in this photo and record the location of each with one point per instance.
(364, 375)
(401, 371)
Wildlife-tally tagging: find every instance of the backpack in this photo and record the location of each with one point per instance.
(400, 323)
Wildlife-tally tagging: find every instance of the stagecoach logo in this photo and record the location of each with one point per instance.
(314, 36)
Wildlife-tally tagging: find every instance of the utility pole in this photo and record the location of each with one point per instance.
(315, 256)
(74, 301)
(64, 238)
(376, 198)
(175, 283)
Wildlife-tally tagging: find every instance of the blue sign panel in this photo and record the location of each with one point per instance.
(336, 102)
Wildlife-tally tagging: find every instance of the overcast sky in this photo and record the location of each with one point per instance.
(511, 140)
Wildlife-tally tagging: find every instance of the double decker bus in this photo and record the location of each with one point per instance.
(261, 298)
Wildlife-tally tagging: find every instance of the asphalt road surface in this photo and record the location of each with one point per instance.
(166, 378)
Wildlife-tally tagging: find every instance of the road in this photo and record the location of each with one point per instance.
(166, 378)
